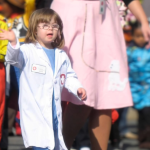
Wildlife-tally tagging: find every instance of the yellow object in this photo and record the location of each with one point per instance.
(1, 17)
(3, 43)
(29, 8)
(20, 23)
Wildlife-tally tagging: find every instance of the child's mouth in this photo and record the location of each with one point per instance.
(49, 34)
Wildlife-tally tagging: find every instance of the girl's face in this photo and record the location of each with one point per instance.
(6, 9)
(47, 33)
(138, 37)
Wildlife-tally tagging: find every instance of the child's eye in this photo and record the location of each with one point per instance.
(55, 26)
(45, 26)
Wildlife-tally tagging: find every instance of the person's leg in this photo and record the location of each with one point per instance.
(74, 118)
(114, 135)
(4, 140)
(141, 125)
(144, 137)
(2, 96)
(64, 106)
(13, 97)
(83, 139)
(99, 128)
(11, 119)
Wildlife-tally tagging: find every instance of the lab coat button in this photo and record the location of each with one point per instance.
(55, 82)
(56, 98)
(59, 115)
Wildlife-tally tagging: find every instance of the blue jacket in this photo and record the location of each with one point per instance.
(139, 75)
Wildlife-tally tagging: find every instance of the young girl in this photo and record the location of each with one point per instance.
(95, 44)
(139, 75)
(45, 70)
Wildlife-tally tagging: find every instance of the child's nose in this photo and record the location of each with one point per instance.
(50, 27)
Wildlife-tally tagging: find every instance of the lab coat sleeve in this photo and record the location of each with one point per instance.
(15, 55)
(72, 83)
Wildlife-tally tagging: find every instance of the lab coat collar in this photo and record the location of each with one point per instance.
(59, 60)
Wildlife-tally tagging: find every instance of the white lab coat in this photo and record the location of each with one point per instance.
(36, 88)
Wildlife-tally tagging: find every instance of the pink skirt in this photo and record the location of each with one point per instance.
(93, 42)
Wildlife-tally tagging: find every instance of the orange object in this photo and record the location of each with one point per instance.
(127, 33)
(2, 95)
(17, 126)
(114, 115)
(1, 8)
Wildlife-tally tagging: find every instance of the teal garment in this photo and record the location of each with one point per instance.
(139, 75)
(51, 55)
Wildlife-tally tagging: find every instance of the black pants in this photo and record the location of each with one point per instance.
(144, 125)
(115, 133)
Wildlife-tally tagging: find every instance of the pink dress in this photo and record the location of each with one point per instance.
(95, 41)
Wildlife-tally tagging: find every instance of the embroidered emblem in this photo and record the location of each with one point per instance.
(62, 78)
(34, 68)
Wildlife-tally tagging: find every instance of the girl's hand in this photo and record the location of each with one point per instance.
(8, 35)
(146, 33)
(82, 94)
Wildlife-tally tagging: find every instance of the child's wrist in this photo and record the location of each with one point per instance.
(13, 43)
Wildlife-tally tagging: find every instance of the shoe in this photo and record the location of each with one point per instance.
(11, 134)
(116, 148)
(85, 148)
(130, 135)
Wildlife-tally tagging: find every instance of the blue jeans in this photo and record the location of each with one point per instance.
(38, 148)
(56, 143)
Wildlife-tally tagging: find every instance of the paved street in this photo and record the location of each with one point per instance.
(16, 143)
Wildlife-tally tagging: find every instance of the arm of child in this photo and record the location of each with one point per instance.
(14, 55)
(72, 83)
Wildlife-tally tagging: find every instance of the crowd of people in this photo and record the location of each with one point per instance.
(76, 47)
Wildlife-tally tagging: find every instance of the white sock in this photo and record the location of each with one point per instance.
(85, 148)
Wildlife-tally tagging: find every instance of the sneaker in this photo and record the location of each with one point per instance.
(130, 135)
(85, 148)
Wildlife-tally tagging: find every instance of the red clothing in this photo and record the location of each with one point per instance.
(2, 95)
(114, 115)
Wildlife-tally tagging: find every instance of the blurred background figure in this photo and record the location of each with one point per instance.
(17, 13)
(3, 49)
(139, 75)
